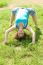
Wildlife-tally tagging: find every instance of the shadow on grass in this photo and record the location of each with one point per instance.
(26, 40)
(21, 42)
(38, 33)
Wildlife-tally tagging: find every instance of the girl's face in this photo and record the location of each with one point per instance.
(20, 33)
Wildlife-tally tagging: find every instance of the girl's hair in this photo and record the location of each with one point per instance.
(17, 37)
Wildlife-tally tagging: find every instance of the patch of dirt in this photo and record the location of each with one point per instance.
(18, 3)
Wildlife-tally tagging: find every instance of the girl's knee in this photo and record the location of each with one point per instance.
(6, 31)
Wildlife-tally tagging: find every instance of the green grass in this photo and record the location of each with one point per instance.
(21, 52)
(4, 3)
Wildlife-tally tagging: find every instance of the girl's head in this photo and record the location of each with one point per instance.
(20, 32)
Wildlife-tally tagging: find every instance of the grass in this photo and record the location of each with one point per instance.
(21, 52)
(4, 3)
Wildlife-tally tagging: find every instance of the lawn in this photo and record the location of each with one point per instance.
(4, 3)
(21, 52)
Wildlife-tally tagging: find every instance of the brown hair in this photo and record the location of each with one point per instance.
(17, 37)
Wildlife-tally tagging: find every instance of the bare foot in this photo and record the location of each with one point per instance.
(5, 42)
(33, 42)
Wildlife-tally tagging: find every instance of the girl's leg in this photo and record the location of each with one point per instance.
(7, 31)
(33, 33)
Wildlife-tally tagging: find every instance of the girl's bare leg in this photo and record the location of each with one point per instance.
(7, 31)
(33, 33)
